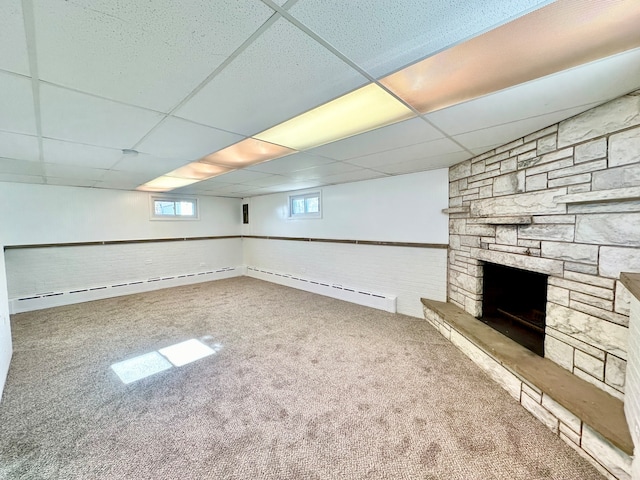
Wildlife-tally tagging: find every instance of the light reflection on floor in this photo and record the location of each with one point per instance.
(177, 355)
(186, 352)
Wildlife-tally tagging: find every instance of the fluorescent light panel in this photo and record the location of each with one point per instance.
(198, 171)
(357, 112)
(166, 183)
(247, 152)
(561, 35)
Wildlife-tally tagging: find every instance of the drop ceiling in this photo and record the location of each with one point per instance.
(82, 80)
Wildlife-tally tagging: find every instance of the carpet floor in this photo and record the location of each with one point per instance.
(301, 387)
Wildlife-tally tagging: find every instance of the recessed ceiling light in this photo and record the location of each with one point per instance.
(357, 112)
(556, 37)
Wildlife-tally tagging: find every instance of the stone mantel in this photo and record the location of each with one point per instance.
(632, 282)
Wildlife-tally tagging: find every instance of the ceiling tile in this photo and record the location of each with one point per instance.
(75, 173)
(70, 182)
(413, 152)
(178, 138)
(323, 171)
(68, 115)
(291, 187)
(233, 188)
(382, 36)
(20, 167)
(242, 176)
(427, 163)
(21, 147)
(481, 150)
(16, 97)
(69, 153)
(486, 138)
(14, 59)
(401, 134)
(9, 177)
(148, 165)
(290, 163)
(359, 175)
(210, 185)
(117, 185)
(269, 181)
(280, 75)
(126, 180)
(582, 85)
(151, 54)
(245, 193)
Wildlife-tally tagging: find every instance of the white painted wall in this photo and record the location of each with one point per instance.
(53, 214)
(5, 328)
(43, 214)
(405, 208)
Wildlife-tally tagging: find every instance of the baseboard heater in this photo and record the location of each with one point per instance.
(341, 292)
(79, 295)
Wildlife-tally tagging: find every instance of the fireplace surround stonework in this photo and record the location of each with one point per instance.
(563, 201)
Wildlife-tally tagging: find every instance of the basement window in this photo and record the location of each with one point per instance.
(306, 205)
(168, 208)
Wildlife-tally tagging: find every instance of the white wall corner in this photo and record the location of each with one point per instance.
(6, 347)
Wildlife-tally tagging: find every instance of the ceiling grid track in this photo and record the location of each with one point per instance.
(270, 21)
(30, 32)
(286, 15)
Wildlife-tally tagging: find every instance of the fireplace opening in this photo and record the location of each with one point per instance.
(514, 303)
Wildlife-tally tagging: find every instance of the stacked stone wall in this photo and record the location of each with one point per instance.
(564, 201)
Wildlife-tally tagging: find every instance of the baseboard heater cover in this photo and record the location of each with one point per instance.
(79, 295)
(341, 292)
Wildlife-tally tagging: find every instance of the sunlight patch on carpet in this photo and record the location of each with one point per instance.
(140, 367)
(177, 355)
(186, 352)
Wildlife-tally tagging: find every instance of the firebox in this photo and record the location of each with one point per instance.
(514, 303)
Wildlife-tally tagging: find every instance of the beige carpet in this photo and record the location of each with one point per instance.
(301, 387)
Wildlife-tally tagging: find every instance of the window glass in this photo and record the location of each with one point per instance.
(168, 208)
(307, 205)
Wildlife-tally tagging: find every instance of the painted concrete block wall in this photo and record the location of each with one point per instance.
(405, 272)
(405, 208)
(44, 270)
(564, 201)
(5, 329)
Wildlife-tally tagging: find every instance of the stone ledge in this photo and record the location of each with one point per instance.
(513, 220)
(632, 282)
(616, 194)
(598, 409)
(463, 209)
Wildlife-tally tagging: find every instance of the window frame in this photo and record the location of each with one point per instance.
(304, 195)
(174, 199)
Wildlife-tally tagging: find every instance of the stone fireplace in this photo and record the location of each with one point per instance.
(562, 202)
(514, 303)
(561, 205)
